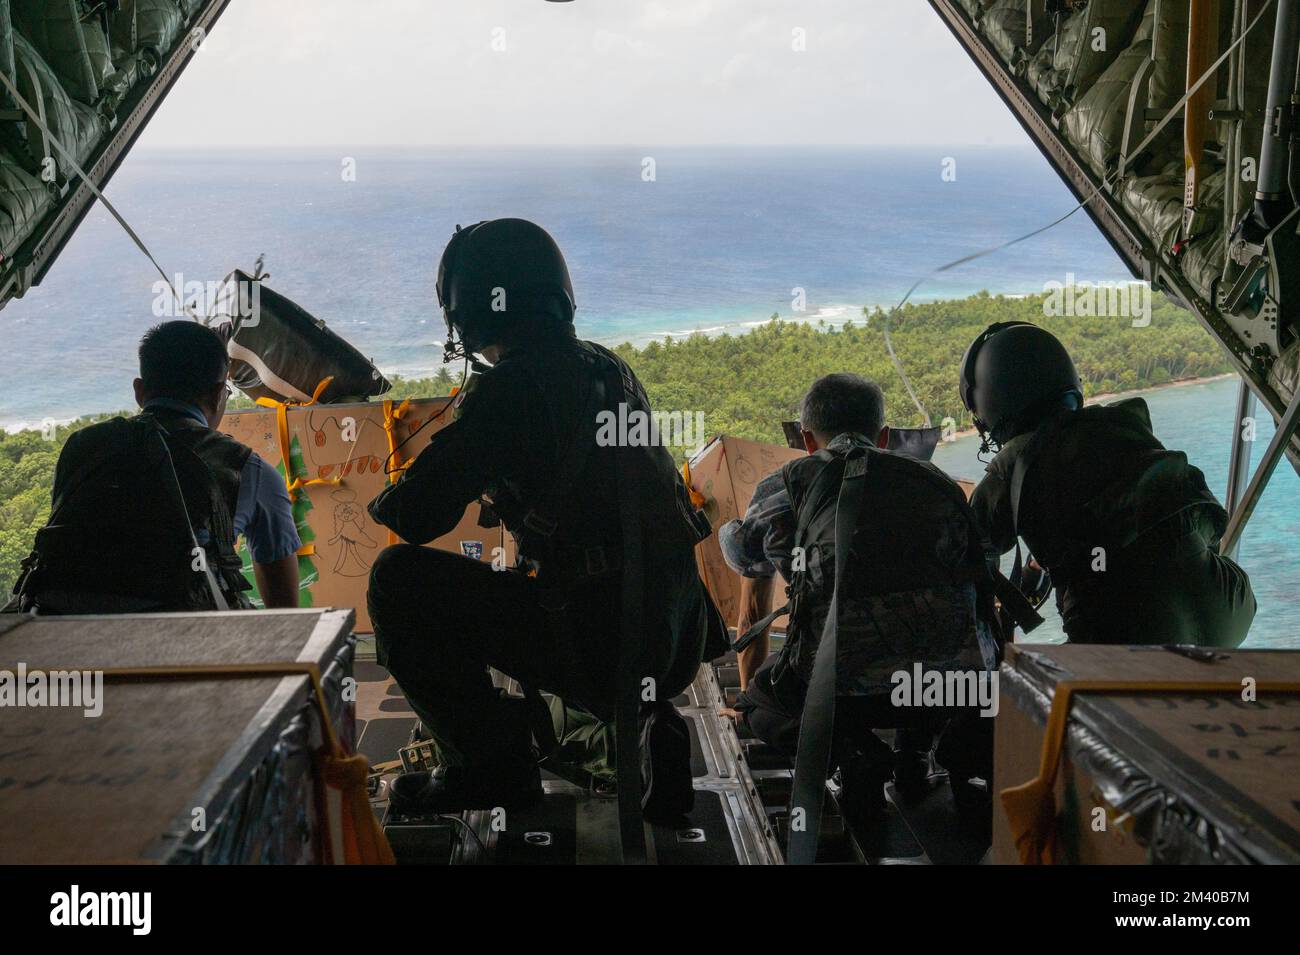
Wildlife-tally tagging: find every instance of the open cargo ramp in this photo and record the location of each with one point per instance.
(741, 814)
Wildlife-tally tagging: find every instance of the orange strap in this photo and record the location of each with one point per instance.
(1030, 807)
(359, 834)
(295, 483)
(697, 499)
(395, 464)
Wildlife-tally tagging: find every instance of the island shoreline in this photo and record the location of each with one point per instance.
(1121, 395)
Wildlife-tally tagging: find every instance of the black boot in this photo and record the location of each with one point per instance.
(974, 805)
(668, 789)
(862, 793)
(502, 774)
(911, 775)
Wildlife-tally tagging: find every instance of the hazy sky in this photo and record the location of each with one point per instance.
(428, 72)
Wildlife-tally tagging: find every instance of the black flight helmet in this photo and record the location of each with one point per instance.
(1013, 376)
(498, 278)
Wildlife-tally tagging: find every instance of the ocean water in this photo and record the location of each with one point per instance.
(1199, 419)
(717, 242)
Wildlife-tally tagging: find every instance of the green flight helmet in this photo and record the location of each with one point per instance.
(502, 278)
(1013, 376)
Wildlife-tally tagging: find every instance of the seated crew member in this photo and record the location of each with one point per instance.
(525, 435)
(119, 540)
(1128, 530)
(914, 538)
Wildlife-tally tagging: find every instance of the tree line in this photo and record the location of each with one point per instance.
(747, 384)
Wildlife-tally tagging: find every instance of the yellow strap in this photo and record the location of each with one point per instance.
(391, 417)
(292, 482)
(1030, 807)
(395, 464)
(362, 838)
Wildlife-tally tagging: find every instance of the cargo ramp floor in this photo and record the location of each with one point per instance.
(741, 807)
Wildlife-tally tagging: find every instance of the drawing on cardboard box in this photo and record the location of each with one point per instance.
(363, 437)
(350, 539)
(745, 472)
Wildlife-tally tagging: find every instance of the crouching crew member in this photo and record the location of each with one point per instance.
(147, 510)
(911, 594)
(525, 436)
(1128, 530)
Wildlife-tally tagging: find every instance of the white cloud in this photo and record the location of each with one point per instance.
(424, 72)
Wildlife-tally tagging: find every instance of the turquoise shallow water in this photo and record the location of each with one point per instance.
(1198, 419)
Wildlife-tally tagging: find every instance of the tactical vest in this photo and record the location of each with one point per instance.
(118, 539)
(568, 527)
(916, 583)
(1096, 481)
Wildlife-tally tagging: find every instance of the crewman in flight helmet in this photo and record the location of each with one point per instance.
(1127, 529)
(595, 525)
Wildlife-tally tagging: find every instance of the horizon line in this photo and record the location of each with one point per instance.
(223, 147)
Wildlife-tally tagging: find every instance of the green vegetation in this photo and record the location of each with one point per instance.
(27, 460)
(26, 472)
(747, 384)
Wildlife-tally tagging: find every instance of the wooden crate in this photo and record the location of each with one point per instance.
(171, 770)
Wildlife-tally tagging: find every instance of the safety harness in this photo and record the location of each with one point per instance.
(561, 565)
(816, 726)
(573, 561)
(1077, 538)
(221, 528)
(1017, 609)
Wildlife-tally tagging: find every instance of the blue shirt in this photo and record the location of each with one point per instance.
(263, 512)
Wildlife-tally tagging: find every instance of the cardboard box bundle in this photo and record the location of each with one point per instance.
(726, 471)
(342, 449)
(339, 453)
(1161, 773)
